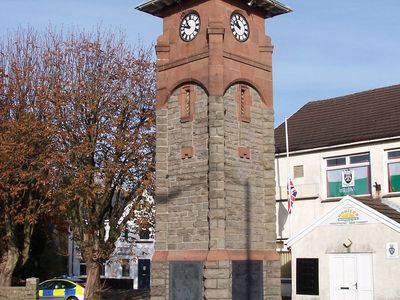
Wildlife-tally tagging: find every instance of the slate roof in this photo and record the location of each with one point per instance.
(270, 8)
(376, 203)
(363, 116)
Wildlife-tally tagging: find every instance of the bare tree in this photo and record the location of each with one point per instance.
(103, 96)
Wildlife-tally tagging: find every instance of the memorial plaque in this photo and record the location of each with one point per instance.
(186, 280)
(247, 280)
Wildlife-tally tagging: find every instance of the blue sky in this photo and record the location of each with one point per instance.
(322, 49)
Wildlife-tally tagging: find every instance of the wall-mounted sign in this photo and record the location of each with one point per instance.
(392, 250)
(347, 178)
(349, 215)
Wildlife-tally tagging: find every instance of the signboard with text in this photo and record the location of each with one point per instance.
(349, 215)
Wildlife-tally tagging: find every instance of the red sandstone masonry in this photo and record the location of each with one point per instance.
(214, 255)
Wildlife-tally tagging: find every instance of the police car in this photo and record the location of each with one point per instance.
(60, 289)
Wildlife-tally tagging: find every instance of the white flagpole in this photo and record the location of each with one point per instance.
(288, 176)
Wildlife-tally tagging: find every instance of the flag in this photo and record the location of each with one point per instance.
(291, 193)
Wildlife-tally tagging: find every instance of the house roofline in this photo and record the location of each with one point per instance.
(270, 8)
(319, 149)
(364, 208)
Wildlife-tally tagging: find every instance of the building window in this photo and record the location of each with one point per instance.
(348, 175)
(144, 233)
(298, 171)
(125, 267)
(393, 166)
(126, 235)
(307, 276)
(82, 268)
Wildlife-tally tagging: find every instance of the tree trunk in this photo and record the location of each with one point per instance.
(8, 263)
(28, 232)
(93, 286)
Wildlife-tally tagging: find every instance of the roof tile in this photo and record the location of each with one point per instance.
(376, 203)
(367, 115)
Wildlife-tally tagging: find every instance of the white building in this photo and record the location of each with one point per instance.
(348, 145)
(129, 265)
(351, 252)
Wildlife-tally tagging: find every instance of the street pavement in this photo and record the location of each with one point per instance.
(125, 295)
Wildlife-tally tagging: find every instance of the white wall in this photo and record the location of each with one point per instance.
(313, 185)
(368, 238)
(141, 249)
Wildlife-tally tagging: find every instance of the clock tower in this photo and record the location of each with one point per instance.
(215, 187)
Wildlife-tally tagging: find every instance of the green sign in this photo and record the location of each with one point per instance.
(336, 188)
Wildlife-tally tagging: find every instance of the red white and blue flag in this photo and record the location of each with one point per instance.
(291, 193)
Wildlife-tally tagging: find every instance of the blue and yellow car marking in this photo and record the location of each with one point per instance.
(70, 292)
(46, 293)
(77, 291)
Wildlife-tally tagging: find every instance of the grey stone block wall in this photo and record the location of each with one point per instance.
(216, 165)
(272, 280)
(187, 178)
(159, 281)
(162, 179)
(218, 280)
(181, 185)
(249, 183)
(28, 292)
(215, 200)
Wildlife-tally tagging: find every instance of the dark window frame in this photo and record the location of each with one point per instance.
(82, 268)
(49, 285)
(307, 276)
(125, 268)
(392, 158)
(349, 164)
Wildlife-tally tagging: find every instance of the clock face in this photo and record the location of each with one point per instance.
(190, 26)
(240, 27)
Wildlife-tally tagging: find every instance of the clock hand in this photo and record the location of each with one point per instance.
(238, 25)
(187, 26)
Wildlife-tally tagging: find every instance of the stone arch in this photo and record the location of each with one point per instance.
(166, 94)
(183, 82)
(250, 84)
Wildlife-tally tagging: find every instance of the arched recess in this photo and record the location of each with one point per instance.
(267, 102)
(163, 96)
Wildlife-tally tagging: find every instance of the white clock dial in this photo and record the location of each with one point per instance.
(240, 27)
(190, 27)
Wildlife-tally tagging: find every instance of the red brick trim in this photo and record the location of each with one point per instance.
(178, 255)
(186, 152)
(244, 152)
(243, 255)
(214, 255)
(160, 256)
(161, 96)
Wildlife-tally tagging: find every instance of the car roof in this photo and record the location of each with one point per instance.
(60, 279)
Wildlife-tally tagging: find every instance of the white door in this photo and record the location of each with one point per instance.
(351, 277)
